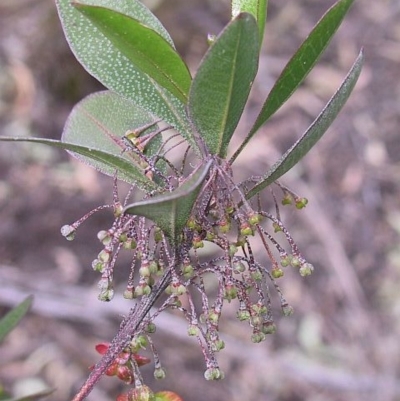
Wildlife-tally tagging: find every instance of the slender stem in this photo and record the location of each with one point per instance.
(129, 326)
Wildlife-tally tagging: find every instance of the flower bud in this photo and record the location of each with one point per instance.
(104, 237)
(306, 269)
(268, 328)
(276, 272)
(238, 267)
(159, 373)
(245, 229)
(287, 310)
(193, 330)
(118, 209)
(232, 250)
(104, 256)
(213, 374)
(68, 232)
(257, 337)
(98, 265)
(255, 218)
(130, 243)
(301, 203)
(243, 315)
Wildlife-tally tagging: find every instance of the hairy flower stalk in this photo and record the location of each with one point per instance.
(221, 218)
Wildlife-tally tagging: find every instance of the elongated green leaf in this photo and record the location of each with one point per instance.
(171, 211)
(102, 59)
(298, 67)
(14, 316)
(222, 84)
(126, 170)
(147, 50)
(258, 8)
(100, 121)
(314, 132)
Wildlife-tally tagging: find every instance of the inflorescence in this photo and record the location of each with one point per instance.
(223, 224)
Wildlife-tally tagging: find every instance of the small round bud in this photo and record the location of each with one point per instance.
(106, 295)
(118, 209)
(285, 260)
(159, 373)
(238, 267)
(241, 241)
(128, 294)
(191, 223)
(268, 328)
(232, 250)
(229, 209)
(277, 227)
(287, 310)
(295, 261)
(255, 218)
(287, 199)
(153, 267)
(306, 269)
(257, 337)
(104, 256)
(224, 226)
(104, 237)
(187, 271)
(130, 243)
(98, 266)
(151, 328)
(245, 229)
(214, 374)
(259, 308)
(144, 271)
(301, 203)
(158, 235)
(198, 243)
(193, 330)
(213, 317)
(255, 321)
(256, 275)
(210, 236)
(243, 315)
(180, 290)
(277, 272)
(139, 393)
(218, 345)
(231, 292)
(68, 232)
(122, 238)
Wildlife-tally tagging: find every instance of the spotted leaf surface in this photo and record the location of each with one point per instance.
(102, 59)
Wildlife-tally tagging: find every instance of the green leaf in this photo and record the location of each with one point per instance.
(315, 130)
(171, 211)
(99, 122)
(222, 84)
(258, 8)
(102, 59)
(127, 171)
(14, 316)
(298, 67)
(147, 50)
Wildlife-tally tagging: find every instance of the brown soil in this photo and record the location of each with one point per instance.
(341, 344)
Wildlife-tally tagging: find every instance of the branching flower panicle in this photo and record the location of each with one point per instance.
(242, 235)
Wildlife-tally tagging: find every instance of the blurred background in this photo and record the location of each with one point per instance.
(343, 341)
